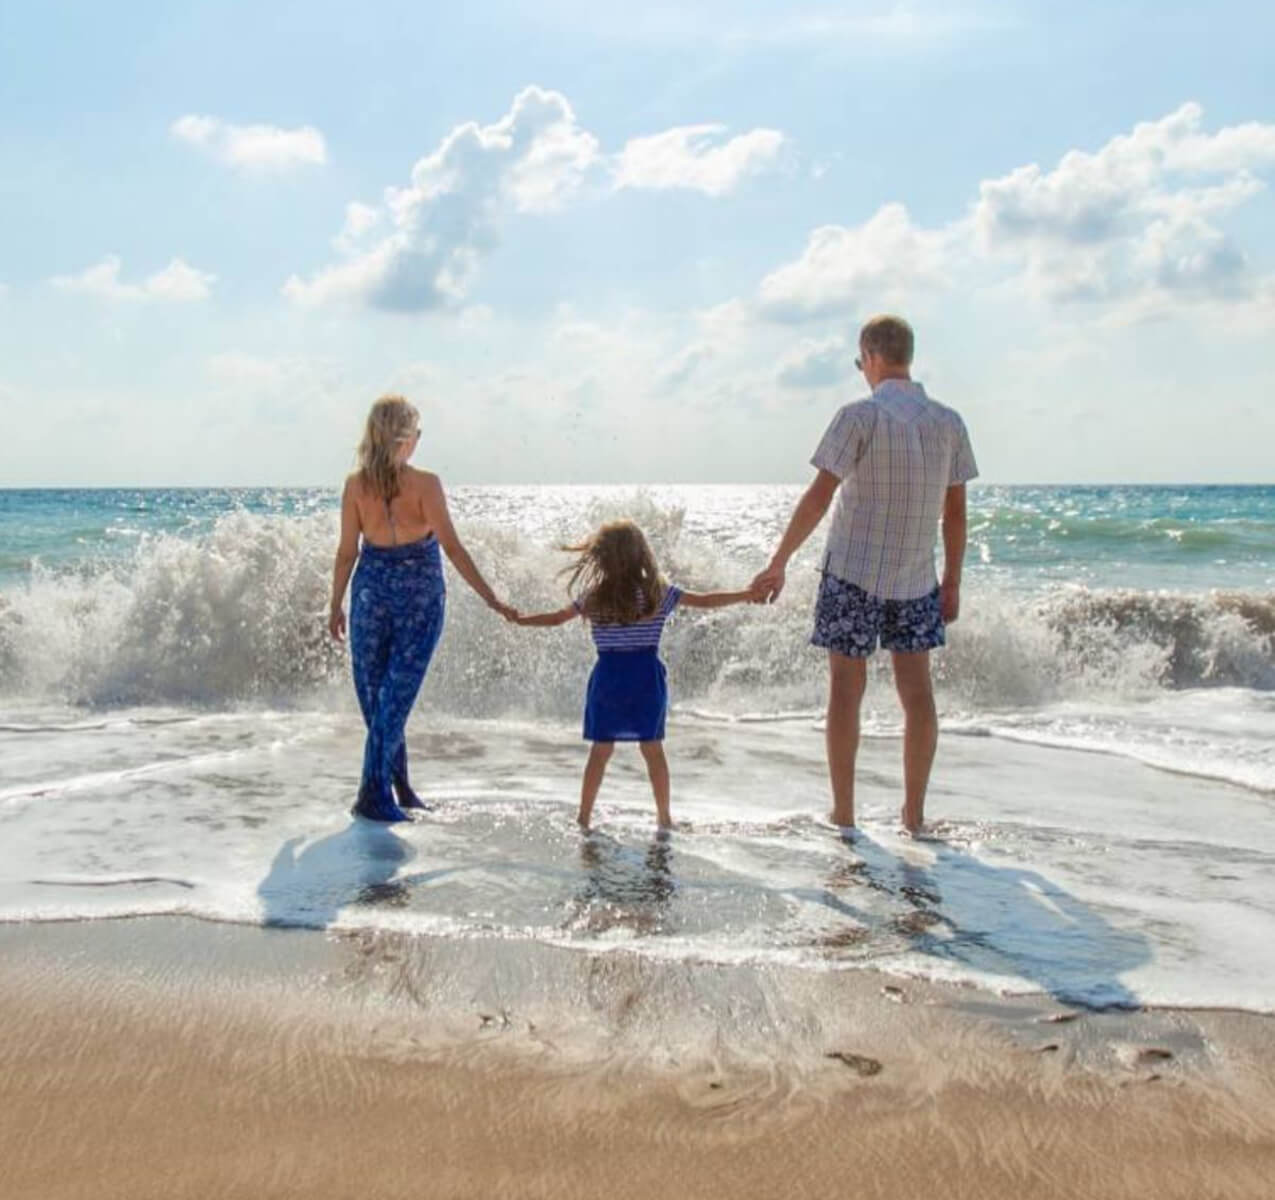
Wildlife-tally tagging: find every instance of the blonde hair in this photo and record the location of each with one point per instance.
(391, 422)
(615, 579)
(890, 337)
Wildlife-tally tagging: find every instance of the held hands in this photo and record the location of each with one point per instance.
(767, 585)
(505, 610)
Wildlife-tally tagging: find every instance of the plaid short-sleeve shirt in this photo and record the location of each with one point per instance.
(896, 454)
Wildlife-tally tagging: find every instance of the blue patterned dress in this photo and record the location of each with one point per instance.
(397, 599)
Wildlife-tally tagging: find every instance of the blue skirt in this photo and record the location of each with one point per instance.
(627, 698)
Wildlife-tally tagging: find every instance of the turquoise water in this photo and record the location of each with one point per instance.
(1183, 537)
(178, 734)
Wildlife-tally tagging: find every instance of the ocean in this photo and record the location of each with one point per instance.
(178, 735)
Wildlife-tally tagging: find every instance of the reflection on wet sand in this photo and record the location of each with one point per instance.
(622, 889)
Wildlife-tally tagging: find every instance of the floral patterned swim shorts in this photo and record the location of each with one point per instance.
(849, 621)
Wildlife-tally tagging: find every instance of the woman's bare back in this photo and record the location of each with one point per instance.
(403, 520)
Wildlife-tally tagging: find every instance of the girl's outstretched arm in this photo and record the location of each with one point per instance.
(560, 616)
(719, 599)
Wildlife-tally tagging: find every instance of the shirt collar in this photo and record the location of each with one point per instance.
(888, 388)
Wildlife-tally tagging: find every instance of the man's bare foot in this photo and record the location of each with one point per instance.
(924, 831)
(841, 820)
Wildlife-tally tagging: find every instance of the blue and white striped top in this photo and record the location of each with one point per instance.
(637, 635)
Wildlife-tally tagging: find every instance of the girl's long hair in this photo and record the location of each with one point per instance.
(615, 579)
(391, 422)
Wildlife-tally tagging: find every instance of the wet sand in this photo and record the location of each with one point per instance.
(175, 1058)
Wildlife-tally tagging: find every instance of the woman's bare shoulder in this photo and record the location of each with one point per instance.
(421, 480)
(353, 484)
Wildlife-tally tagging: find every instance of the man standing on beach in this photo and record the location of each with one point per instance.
(899, 462)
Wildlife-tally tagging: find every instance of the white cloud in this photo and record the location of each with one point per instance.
(360, 219)
(817, 363)
(685, 364)
(177, 282)
(843, 269)
(535, 159)
(252, 147)
(695, 157)
(1130, 231)
(1129, 219)
(446, 219)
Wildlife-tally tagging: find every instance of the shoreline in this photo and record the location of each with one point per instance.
(176, 1057)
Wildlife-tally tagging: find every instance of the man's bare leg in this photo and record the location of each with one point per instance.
(657, 769)
(920, 732)
(594, 769)
(847, 679)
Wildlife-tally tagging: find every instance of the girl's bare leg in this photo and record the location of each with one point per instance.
(657, 769)
(594, 769)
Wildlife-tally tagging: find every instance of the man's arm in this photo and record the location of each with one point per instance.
(953, 551)
(805, 518)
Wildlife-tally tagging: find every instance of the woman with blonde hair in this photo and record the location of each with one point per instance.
(394, 519)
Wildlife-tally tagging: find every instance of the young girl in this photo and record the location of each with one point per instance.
(616, 587)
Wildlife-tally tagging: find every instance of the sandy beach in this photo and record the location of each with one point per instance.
(179, 1058)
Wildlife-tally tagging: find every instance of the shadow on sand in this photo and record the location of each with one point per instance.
(1010, 922)
(355, 866)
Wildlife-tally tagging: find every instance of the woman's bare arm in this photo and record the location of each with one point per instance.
(440, 521)
(347, 553)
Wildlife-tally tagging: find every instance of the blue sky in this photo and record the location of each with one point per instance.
(632, 242)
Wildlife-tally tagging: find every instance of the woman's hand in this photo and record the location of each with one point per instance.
(336, 623)
(505, 610)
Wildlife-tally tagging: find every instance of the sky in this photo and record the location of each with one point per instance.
(618, 242)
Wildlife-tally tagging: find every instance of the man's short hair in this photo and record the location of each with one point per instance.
(890, 337)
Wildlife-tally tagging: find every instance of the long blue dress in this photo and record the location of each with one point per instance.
(397, 599)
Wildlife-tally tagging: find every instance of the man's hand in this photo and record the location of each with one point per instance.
(767, 585)
(949, 601)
